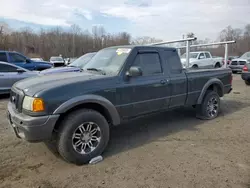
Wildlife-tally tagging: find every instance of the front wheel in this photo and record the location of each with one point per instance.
(83, 135)
(210, 106)
(217, 65)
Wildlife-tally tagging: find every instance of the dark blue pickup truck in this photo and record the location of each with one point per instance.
(118, 84)
(22, 61)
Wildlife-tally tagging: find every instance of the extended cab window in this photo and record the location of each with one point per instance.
(3, 57)
(149, 63)
(173, 60)
(7, 68)
(16, 58)
(207, 55)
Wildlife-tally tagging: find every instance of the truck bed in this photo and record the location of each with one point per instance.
(197, 78)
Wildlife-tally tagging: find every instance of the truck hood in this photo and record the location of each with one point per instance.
(60, 70)
(240, 59)
(32, 86)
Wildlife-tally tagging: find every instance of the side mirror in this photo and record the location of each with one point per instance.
(134, 71)
(202, 57)
(20, 70)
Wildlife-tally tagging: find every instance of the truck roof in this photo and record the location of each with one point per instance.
(142, 46)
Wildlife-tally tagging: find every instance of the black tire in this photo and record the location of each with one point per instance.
(202, 109)
(195, 67)
(72, 123)
(217, 65)
(247, 82)
(234, 72)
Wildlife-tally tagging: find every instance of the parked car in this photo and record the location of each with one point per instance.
(119, 84)
(202, 59)
(22, 61)
(238, 63)
(10, 73)
(76, 66)
(230, 58)
(57, 61)
(246, 73)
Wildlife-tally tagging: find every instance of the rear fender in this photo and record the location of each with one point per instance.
(207, 85)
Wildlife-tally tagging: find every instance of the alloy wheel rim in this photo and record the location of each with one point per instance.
(86, 138)
(212, 106)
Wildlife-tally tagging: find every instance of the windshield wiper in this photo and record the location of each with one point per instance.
(97, 70)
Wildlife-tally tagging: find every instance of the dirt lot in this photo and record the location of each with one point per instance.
(172, 149)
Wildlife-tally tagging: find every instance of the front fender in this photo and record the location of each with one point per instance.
(206, 86)
(90, 99)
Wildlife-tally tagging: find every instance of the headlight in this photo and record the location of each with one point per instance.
(33, 104)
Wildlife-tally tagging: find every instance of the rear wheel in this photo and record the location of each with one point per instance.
(210, 106)
(247, 82)
(83, 135)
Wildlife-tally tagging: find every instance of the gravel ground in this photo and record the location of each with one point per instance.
(171, 149)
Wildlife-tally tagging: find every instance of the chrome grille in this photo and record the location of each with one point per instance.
(234, 63)
(16, 98)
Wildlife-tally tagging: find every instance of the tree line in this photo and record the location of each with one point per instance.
(76, 42)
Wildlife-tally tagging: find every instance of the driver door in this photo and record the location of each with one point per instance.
(202, 61)
(21, 61)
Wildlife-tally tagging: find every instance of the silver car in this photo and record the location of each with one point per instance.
(10, 73)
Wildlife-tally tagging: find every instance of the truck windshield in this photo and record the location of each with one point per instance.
(109, 60)
(191, 55)
(245, 56)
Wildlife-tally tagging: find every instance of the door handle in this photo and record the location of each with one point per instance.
(164, 81)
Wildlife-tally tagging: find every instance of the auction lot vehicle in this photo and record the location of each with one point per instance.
(57, 61)
(238, 63)
(22, 61)
(76, 66)
(245, 75)
(120, 83)
(10, 73)
(202, 59)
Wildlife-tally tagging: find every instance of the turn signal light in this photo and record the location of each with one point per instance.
(38, 105)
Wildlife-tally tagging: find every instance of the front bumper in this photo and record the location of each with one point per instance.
(32, 129)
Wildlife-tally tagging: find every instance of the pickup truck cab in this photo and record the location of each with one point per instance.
(118, 84)
(202, 59)
(22, 61)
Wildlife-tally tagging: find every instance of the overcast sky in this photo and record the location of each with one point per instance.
(164, 19)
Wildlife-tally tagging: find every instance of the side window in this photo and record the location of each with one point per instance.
(16, 58)
(208, 55)
(3, 57)
(7, 68)
(149, 63)
(173, 60)
(201, 56)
